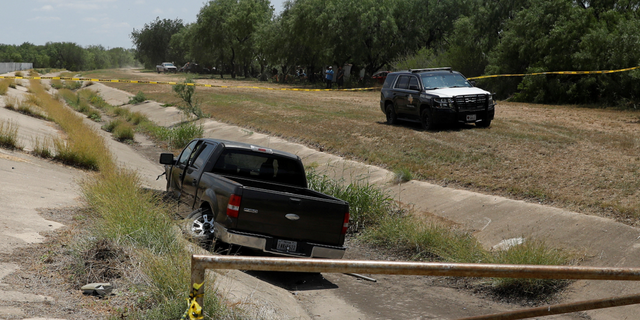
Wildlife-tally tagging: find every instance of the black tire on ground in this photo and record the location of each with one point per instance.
(392, 118)
(199, 227)
(485, 123)
(426, 120)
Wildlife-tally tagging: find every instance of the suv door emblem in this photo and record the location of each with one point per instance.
(292, 217)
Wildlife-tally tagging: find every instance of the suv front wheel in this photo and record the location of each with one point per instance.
(426, 120)
(391, 115)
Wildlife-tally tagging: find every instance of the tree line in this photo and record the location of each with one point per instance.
(68, 55)
(476, 37)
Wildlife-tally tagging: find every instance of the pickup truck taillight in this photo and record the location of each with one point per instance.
(345, 225)
(234, 206)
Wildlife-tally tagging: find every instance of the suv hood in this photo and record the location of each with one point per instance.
(451, 92)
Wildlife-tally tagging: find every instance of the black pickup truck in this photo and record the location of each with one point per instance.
(250, 196)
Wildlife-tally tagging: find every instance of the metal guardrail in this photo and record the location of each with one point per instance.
(199, 263)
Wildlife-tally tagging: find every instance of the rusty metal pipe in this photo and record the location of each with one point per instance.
(417, 268)
(561, 308)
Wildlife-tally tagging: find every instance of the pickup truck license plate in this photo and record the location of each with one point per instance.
(471, 117)
(285, 245)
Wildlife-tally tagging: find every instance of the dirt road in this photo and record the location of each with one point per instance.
(336, 296)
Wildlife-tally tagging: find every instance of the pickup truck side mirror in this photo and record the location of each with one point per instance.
(472, 82)
(167, 158)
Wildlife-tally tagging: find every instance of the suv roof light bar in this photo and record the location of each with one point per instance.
(430, 69)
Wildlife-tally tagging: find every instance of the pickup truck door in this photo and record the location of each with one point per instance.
(193, 173)
(177, 171)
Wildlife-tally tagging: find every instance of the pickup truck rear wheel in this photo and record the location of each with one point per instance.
(199, 226)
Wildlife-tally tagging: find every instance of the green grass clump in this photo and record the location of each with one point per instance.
(425, 240)
(138, 98)
(530, 253)
(9, 134)
(19, 74)
(109, 126)
(43, 147)
(403, 175)
(56, 84)
(368, 205)
(123, 131)
(73, 85)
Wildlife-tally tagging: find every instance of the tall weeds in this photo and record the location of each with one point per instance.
(9, 134)
(84, 148)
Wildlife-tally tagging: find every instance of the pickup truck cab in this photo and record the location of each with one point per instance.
(255, 197)
(434, 97)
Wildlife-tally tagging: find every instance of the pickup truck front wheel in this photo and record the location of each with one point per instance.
(199, 226)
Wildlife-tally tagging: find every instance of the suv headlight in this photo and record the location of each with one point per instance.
(491, 103)
(443, 103)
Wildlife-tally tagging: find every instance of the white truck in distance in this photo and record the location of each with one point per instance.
(166, 67)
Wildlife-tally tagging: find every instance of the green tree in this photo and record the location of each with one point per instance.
(152, 41)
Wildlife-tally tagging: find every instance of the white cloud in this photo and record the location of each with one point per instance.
(44, 8)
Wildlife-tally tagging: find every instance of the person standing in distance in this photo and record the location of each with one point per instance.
(329, 77)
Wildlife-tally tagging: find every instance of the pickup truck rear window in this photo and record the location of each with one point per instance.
(260, 166)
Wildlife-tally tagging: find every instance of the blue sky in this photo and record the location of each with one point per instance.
(90, 22)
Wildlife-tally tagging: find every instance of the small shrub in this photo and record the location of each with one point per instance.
(111, 125)
(94, 115)
(121, 112)
(182, 134)
(403, 175)
(12, 84)
(9, 134)
(19, 74)
(56, 84)
(138, 98)
(135, 118)
(73, 85)
(123, 131)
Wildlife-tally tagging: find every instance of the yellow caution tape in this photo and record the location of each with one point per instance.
(174, 83)
(554, 72)
(194, 310)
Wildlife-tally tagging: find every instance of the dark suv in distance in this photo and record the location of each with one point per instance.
(434, 97)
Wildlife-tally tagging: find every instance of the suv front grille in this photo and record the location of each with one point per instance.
(471, 102)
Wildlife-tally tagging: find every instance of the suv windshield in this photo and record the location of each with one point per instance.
(443, 80)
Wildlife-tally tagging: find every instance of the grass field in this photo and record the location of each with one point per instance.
(582, 159)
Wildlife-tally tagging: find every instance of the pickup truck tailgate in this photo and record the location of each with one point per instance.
(292, 216)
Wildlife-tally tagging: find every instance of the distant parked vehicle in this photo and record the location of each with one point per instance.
(194, 68)
(166, 67)
(380, 76)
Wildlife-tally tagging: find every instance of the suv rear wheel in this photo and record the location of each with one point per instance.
(426, 120)
(391, 115)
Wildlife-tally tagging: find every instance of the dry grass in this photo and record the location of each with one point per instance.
(4, 86)
(84, 148)
(9, 135)
(582, 159)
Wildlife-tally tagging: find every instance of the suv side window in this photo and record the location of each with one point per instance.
(388, 82)
(403, 82)
(413, 84)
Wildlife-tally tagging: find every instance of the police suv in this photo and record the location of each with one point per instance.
(434, 97)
